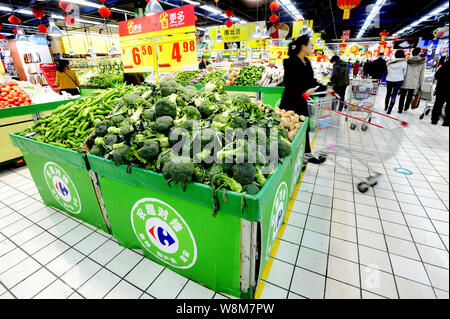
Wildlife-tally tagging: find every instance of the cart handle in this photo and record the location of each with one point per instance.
(306, 97)
(403, 123)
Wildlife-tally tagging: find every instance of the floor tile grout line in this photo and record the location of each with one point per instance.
(7, 290)
(370, 230)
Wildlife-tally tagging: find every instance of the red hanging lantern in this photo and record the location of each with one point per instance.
(42, 28)
(38, 13)
(69, 20)
(347, 5)
(15, 30)
(14, 20)
(2, 36)
(66, 6)
(104, 12)
(274, 6)
(1, 26)
(229, 23)
(105, 0)
(195, 18)
(229, 13)
(273, 18)
(394, 39)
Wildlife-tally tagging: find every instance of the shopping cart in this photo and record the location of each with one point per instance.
(345, 146)
(428, 94)
(361, 99)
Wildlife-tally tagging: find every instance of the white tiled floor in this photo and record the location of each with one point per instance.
(391, 242)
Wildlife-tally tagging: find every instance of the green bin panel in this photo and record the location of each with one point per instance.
(62, 180)
(176, 231)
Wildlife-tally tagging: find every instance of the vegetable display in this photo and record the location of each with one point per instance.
(11, 94)
(70, 124)
(290, 121)
(212, 77)
(101, 79)
(249, 75)
(186, 77)
(271, 77)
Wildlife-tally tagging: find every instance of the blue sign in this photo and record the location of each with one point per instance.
(403, 171)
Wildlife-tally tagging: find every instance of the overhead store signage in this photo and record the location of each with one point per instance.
(256, 54)
(259, 44)
(278, 54)
(298, 26)
(177, 53)
(237, 33)
(147, 47)
(159, 22)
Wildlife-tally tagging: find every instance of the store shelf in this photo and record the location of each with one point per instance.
(31, 109)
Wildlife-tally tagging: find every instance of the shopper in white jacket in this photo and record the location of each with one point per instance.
(395, 76)
(413, 79)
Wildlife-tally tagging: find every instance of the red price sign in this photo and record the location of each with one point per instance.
(138, 57)
(278, 54)
(177, 53)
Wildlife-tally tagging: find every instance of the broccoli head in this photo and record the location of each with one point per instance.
(149, 114)
(131, 98)
(199, 174)
(122, 155)
(164, 123)
(98, 150)
(176, 134)
(164, 107)
(284, 148)
(116, 119)
(245, 173)
(252, 189)
(168, 87)
(101, 129)
(205, 108)
(148, 152)
(187, 125)
(192, 113)
(181, 170)
(110, 140)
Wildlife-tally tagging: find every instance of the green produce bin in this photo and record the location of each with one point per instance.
(272, 95)
(62, 179)
(177, 229)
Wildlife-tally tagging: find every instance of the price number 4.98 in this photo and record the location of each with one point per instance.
(176, 50)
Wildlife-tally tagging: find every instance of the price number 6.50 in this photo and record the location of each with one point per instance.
(136, 52)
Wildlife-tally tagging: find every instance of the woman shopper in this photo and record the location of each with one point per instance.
(66, 79)
(299, 79)
(396, 71)
(413, 80)
(442, 94)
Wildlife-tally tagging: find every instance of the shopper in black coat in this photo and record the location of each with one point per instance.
(378, 68)
(299, 79)
(442, 94)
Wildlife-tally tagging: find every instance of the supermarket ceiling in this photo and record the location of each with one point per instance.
(392, 16)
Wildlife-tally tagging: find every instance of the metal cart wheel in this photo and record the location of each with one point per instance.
(427, 112)
(363, 187)
(421, 116)
(364, 127)
(352, 126)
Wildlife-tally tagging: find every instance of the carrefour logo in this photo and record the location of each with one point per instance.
(62, 187)
(278, 208)
(298, 166)
(164, 233)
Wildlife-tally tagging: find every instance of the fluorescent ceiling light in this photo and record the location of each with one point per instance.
(85, 3)
(195, 3)
(432, 14)
(7, 9)
(25, 11)
(375, 9)
(211, 9)
(200, 28)
(60, 17)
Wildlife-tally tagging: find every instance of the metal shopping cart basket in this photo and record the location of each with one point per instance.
(345, 146)
(361, 99)
(428, 94)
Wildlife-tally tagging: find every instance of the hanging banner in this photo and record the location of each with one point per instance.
(237, 33)
(162, 23)
(177, 53)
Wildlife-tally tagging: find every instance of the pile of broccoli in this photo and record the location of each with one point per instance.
(174, 130)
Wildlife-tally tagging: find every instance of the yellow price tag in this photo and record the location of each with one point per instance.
(138, 56)
(177, 53)
(278, 54)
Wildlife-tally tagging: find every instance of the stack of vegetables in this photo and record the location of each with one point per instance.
(11, 94)
(144, 126)
(249, 75)
(101, 79)
(290, 121)
(271, 77)
(212, 77)
(70, 124)
(185, 77)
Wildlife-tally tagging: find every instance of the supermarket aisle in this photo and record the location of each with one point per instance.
(391, 242)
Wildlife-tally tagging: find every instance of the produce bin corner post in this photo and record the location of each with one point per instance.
(177, 229)
(63, 180)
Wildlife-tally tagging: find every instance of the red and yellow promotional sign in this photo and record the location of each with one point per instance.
(159, 22)
(177, 53)
(278, 54)
(139, 56)
(141, 53)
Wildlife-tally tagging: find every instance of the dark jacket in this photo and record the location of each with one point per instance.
(202, 65)
(442, 77)
(378, 68)
(340, 76)
(298, 78)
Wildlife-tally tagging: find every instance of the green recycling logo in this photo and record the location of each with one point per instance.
(164, 233)
(62, 187)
